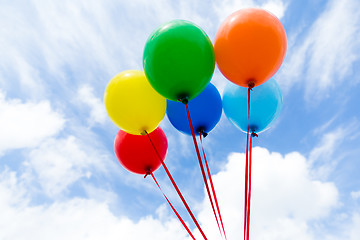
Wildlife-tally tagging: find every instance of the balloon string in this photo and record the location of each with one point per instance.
(249, 191)
(177, 189)
(172, 207)
(246, 167)
(249, 89)
(209, 194)
(249, 194)
(213, 190)
(246, 184)
(248, 163)
(199, 158)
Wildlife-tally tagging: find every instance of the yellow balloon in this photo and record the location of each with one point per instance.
(132, 104)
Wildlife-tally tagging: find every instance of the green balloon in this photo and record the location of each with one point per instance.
(179, 60)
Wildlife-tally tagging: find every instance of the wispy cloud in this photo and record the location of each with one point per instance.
(97, 110)
(322, 157)
(323, 60)
(227, 7)
(355, 195)
(58, 163)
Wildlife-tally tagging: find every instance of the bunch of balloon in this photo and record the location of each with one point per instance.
(250, 46)
(205, 111)
(179, 62)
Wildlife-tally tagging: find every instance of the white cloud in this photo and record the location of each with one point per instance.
(277, 7)
(66, 44)
(350, 227)
(58, 163)
(75, 219)
(11, 190)
(325, 57)
(284, 197)
(26, 124)
(97, 107)
(227, 7)
(355, 227)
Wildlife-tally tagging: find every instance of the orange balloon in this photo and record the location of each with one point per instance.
(250, 47)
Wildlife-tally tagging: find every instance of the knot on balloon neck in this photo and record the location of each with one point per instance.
(143, 133)
(204, 134)
(254, 134)
(148, 172)
(251, 84)
(184, 100)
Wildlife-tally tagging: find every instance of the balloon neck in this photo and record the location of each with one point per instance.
(251, 84)
(253, 134)
(144, 133)
(184, 100)
(202, 132)
(148, 172)
(253, 128)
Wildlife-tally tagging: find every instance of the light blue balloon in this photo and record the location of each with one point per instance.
(265, 105)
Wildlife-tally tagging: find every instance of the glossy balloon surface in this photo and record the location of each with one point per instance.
(265, 105)
(132, 104)
(205, 111)
(250, 46)
(136, 154)
(179, 60)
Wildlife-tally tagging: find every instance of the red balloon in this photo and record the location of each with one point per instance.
(136, 153)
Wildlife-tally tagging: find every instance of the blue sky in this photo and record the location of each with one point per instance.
(59, 178)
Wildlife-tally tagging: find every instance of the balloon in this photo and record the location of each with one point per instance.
(179, 60)
(205, 111)
(265, 100)
(136, 153)
(132, 104)
(250, 46)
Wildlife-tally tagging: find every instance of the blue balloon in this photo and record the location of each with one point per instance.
(205, 111)
(265, 105)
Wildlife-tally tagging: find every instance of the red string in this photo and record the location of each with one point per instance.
(200, 163)
(177, 189)
(172, 207)
(249, 89)
(249, 193)
(248, 164)
(213, 189)
(246, 184)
